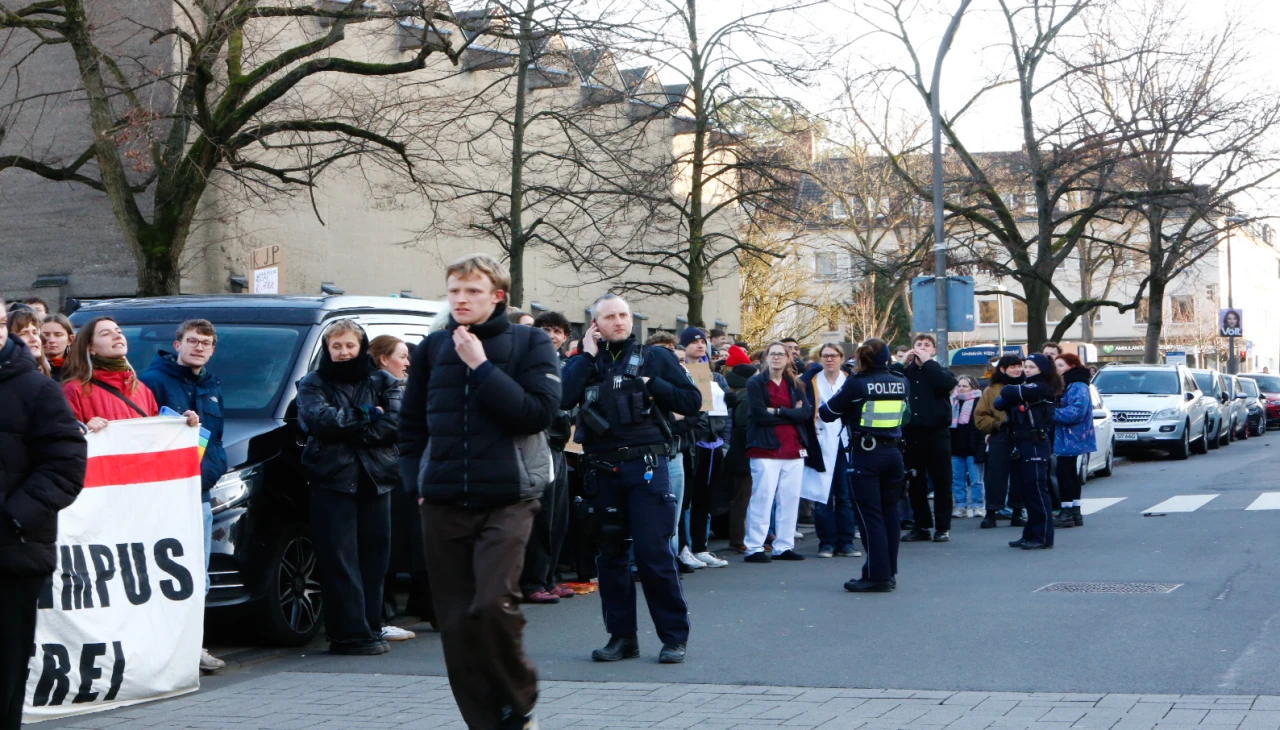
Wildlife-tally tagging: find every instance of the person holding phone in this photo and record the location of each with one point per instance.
(625, 393)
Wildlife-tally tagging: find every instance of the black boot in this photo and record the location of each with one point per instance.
(620, 646)
(671, 654)
(1019, 519)
(989, 521)
(1077, 517)
(1064, 519)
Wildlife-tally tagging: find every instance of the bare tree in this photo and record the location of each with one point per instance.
(1176, 94)
(1021, 214)
(711, 178)
(777, 290)
(186, 94)
(524, 157)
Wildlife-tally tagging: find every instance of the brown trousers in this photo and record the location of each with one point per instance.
(474, 559)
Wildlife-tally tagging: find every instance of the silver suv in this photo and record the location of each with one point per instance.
(1156, 406)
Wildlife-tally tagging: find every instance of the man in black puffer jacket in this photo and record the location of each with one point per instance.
(42, 462)
(476, 390)
(928, 440)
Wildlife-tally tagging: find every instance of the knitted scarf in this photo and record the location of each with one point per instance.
(962, 407)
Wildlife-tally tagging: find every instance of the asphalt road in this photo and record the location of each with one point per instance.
(966, 615)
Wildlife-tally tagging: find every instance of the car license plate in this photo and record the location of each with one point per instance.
(1126, 437)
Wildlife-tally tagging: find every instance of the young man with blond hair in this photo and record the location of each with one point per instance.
(476, 388)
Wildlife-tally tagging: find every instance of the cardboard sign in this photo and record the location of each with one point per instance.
(264, 264)
(700, 374)
(123, 620)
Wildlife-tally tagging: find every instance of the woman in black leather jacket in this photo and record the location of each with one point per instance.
(350, 410)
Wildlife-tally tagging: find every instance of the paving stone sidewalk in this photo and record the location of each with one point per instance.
(293, 700)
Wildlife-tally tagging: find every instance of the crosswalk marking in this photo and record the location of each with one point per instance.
(1268, 500)
(1183, 503)
(1096, 504)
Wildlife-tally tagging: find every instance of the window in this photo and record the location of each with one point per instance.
(838, 211)
(1145, 382)
(989, 311)
(1141, 313)
(1182, 308)
(1010, 200)
(1030, 201)
(825, 265)
(1057, 311)
(1019, 311)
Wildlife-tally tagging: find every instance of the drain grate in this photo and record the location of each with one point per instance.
(1109, 588)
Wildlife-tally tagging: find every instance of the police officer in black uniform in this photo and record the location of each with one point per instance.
(1030, 406)
(625, 392)
(873, 406)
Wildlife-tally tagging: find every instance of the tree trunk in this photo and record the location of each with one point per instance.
(515, 216)
(1086, 291)
(1037, 295)
(158, 273)
(1155, 320)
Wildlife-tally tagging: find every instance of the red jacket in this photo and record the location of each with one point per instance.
(99, 403)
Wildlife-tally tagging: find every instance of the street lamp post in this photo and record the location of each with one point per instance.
(1233, 360)
(939, 242)
(1000, 316)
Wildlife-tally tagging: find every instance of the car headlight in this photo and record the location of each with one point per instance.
(235, 488)
(1167, 414)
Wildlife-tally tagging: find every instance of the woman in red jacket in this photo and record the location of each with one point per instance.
(99, 382)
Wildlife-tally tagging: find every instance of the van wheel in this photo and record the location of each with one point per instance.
(294, 608)
(1183, 449)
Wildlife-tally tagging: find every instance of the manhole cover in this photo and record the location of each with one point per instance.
(1109, 588)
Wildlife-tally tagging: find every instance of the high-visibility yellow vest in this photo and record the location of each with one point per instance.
(878, 414)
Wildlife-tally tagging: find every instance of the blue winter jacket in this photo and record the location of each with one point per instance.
(176, 386)
(1074, 418)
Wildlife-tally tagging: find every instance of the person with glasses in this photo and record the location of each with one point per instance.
(180, 380)
(824, 471)
(776, 445)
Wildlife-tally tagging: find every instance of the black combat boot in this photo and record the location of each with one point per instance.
(620, 646)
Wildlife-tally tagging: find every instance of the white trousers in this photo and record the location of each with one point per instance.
(775, 488)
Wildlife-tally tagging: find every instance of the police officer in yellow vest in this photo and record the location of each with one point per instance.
(873, 406)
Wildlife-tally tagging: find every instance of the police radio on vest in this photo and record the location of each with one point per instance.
(881, 388)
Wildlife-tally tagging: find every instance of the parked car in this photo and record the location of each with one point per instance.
(1155, 406)
(1257, 406)
(1216, 396)
(1239, 411)
(1100, 462)
(1270, 387)
(262, 563)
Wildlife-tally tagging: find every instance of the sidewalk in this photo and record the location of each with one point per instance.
(292, 700)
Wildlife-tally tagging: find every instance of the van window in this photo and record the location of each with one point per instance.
(252, 361)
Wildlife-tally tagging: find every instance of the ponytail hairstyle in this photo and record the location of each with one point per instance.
(872, 354)
(79, 363)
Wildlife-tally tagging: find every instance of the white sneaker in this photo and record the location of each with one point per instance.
(209, 662)
(979, 512)
(395, 633)
(799, 536)
(957, 512)
(687, 558)
(711, 561)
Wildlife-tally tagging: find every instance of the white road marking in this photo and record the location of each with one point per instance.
(1268, 500)
(1096, 504)
(1183, 503)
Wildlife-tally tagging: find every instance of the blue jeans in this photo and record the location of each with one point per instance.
(967, 488)
(834, 521)
(206, 509)
(675, 475)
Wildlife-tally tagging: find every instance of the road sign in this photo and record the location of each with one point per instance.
(924, 304)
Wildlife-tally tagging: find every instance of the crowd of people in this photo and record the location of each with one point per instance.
(499, 456)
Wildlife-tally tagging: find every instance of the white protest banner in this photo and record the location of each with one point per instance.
(123, 619)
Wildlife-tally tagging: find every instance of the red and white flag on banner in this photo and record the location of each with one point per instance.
(123, 619)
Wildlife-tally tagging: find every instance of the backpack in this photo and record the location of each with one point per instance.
(533, 452)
